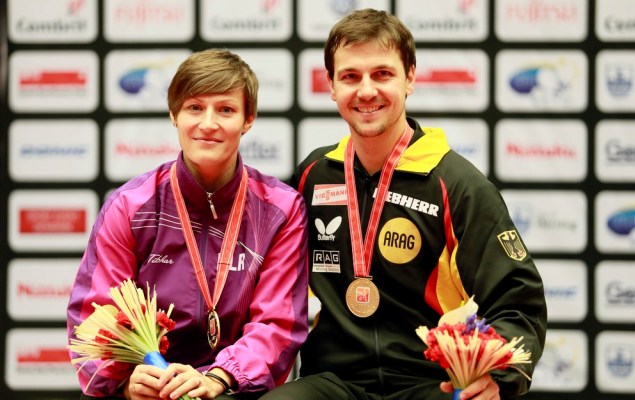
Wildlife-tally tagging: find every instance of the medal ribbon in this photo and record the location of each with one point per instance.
(362, 258)
(229, 240)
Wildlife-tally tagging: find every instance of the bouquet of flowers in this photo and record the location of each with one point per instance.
(132, 331)
(468, 348)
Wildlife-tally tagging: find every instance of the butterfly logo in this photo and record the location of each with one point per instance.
(326, 233)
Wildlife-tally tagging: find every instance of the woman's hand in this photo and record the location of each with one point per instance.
(484, 388)
(143, 383)
(179, 379)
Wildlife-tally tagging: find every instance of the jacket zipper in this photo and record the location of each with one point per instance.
(211, 205)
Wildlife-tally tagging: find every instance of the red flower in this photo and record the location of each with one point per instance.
(164, 321)
(123, 320)
(164, 344)
(103, 336)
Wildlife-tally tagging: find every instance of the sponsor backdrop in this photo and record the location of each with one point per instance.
(538, 94)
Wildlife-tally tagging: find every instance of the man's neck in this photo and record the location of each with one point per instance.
(373, 151)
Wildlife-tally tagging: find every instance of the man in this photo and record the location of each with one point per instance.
(442, 235)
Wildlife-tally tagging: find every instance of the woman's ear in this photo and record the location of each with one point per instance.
(173, 118)
(247, 125)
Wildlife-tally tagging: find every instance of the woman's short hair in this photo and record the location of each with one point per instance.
(213, 71)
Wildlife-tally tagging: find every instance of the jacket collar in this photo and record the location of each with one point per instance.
(427, 148)
(195, 194)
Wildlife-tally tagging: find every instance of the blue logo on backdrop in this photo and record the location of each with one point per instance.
(619, 360)
(133, 81)
(620, 79)
(622, 222)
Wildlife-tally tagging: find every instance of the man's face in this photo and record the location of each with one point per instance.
(370, 87)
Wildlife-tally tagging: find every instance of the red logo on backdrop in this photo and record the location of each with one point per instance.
(319, 83)
(44, 355)
(74, 6)
(446, 76)
(61, 220)
(53, 78)
(28, 289)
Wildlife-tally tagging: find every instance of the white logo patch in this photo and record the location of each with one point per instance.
(326, 233)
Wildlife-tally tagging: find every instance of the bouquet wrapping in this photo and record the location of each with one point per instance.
(467, 348)
(133, 331)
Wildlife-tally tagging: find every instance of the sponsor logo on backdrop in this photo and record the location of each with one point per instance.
(549, 220)
(38, 289)
(615, 354)
(541, 81)
(461, 20)
(53, 81)
(268, 147)
(319, 81)
(137, 145)
(614, 83)
(45, 150)
(615, 222)
(52, 21)
(246, 20)
(615, 151)
(149, 21)
(315, 18)
(450, 80)
(565, 284)
(615, 291)
(615, 20)
(564, 364)
(138, 80)
(528, 150)
(51, 220)
(542, 20)
(37, 359)
(620, 359)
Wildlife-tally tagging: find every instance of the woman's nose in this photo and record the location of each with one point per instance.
(208, 119)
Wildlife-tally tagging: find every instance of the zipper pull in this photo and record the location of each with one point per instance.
(211, 205)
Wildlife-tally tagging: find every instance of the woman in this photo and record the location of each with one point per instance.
(239, 327)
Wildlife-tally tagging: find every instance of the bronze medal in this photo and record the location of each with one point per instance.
(362, 297)
(213, 329)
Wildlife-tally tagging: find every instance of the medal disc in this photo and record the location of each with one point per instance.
(362, 297)
(213, 329)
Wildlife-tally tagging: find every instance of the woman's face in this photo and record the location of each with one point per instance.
(209, 128)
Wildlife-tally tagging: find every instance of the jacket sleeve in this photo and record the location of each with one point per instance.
(497, 269)
(263, 357)
(107, 261)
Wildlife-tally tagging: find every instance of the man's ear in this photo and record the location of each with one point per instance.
(410, 80)
(328, 78)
